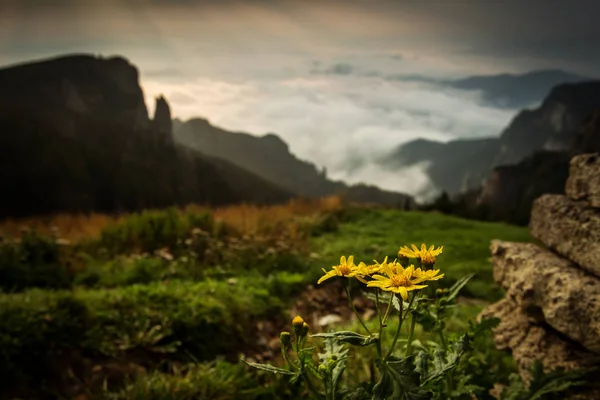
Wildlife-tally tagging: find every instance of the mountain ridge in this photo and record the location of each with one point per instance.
(76, 137)
(270, 157)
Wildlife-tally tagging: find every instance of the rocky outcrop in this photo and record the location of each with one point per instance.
(162, 118)
(551, 310)
(527, 339)
(584, 179)
(551, 290)
(570, 228)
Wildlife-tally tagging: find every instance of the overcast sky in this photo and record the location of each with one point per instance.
(314, 71)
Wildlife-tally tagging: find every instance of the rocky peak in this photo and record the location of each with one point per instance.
(103, 88)
(162, 117)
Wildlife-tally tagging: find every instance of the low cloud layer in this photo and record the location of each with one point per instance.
(344, 123)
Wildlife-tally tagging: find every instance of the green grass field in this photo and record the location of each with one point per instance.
(173, 317)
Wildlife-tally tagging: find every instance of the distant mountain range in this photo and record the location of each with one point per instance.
(516, 90)
(75, 136)
(510, 91)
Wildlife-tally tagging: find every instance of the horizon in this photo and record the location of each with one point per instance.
(334, 79)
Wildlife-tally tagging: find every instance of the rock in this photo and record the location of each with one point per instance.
(162, 117)
(530, 341)
(550, 290)
(568, 227)
(584, 179)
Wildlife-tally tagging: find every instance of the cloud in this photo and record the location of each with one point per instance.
(345, 123)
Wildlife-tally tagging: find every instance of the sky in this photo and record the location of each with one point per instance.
(328, 76)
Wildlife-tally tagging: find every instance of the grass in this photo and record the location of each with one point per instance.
(372, 234)
(163, 289)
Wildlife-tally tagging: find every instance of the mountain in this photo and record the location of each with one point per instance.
(516, 91)
(269, 157)
(461, 165)
(75, 136)
(509, 192)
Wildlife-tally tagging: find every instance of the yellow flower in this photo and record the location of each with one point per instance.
(430, 275)
(345, 268)
(426, 255)
(402, 280)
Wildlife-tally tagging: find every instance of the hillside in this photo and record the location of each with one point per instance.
(75, 136)
(464, 164)
(269, 157)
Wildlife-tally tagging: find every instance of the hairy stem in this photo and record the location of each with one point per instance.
(356, 312)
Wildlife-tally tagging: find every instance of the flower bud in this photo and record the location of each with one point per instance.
(297, 323)
(322, 368)
(286, 339)
(305, 329)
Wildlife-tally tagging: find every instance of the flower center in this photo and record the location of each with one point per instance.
(427, 259)
(400, 280)
(344, 269)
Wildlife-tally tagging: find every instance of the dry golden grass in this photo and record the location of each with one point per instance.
(243, 218)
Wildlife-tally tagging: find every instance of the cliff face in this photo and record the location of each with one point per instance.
(270, 158)
(75, 136)
(510, 191)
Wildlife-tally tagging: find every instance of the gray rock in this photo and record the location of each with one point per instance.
(584, 179)
(530, 341)
(570, 228)
(550, 289)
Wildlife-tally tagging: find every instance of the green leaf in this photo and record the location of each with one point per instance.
(406, 380)
(268, 368)
(453, 291)
(422, 365)
(443, 363)
(385, 387)
(349, 337)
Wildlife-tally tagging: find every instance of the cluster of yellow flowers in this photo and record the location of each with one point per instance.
(392, 276)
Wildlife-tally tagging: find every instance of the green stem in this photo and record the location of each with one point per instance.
(387, 311)
(380, 322)
(286, 357)
(356, 312)
(449, 378)
(310, 385)
(413, 322)
(397, 334)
